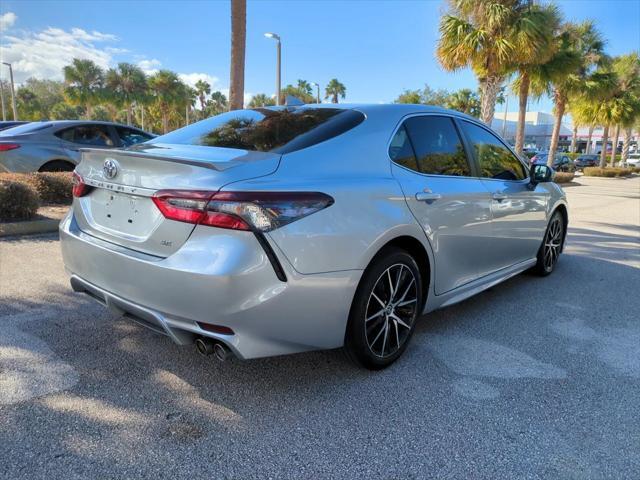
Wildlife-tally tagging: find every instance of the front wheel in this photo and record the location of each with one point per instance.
(551, 247)
(384, 311)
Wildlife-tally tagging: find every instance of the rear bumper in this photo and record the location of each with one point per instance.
(220, 277)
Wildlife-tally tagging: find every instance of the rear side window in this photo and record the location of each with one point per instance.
(283, 130)
(437, 145)
(495, 160)
(94, 135)
(401, 150)
(129, 136)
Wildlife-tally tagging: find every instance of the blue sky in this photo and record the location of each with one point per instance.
(376, 48)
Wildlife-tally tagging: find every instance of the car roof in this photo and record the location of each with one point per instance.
(57, 123)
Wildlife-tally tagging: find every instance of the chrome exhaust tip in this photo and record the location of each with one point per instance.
(207, 347)
(204, 346)
(221, 351)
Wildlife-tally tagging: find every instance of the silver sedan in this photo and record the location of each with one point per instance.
(279, 230)
(54, 146)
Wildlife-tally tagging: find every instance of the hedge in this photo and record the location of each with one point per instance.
(563, 177)
(52, 187)
(18, 201)
(607, 172)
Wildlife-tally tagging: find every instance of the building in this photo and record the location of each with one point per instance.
(539, 127)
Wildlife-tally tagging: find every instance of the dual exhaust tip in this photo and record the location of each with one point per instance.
(207, 347)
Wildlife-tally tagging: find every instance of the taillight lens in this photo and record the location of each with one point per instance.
(262, 211)
(8, 146)
(80, 188)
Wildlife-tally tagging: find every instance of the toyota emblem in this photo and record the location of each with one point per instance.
(110, 168)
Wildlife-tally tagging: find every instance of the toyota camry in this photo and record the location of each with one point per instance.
(277, 230)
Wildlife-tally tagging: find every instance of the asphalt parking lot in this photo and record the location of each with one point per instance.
(535, 378)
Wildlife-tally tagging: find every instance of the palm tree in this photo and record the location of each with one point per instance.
(127, 84)
(465, 100)
(238, 41)
(545, 21)
(335, 89)
(261, 100)
(168, 91)
(305, 87)
(217, 104)
(491, 37)
(202, 89)
(84, 82)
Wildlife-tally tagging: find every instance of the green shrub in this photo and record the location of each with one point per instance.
(606, 172)
(52, 187)
(564, 177)
(18, 201)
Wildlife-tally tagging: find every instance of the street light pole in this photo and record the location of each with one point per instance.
(13, 92)
(317, 85)
(4, 114)
(504, 120)
(278, 63)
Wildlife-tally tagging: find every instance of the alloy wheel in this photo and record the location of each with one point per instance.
(552, 243)
(391, 310)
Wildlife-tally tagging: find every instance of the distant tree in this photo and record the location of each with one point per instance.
(202, 90)
(305, 87)
(64, 111)
(410, 96)
(261, 100)
(335, 89)
(217, 104)
(168, 92)
(126, 84)
(299, 91)
(238, 41)
(465, 101)
(84, 82)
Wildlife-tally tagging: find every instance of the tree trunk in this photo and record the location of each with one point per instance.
(129, 111)
(590, 139)
(88, 111)
(574, 138)
(555, 135)
(614, 147)
(165, 122)
(238, 41)
(626, 145)
(490, 88)
(603, 153)
(335, 98)
(523, 95)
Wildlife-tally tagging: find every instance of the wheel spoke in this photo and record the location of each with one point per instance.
(384, 327)
(399, 320)
(375, 315)
(390, 285)
(386, 334)
(378, 299)
(395, 324)
(397, 287)
(407, 290)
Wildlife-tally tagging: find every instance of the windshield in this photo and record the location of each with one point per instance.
(26, 128)
(281, 130)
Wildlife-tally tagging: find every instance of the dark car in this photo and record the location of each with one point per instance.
(10, 123)
(586, 161)
(561, 162)
(55, 146)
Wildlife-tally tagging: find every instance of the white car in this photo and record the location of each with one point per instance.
(633, 160)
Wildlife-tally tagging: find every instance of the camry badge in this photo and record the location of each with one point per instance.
(110, 168)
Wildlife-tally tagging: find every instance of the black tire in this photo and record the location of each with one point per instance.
(552, 243)
(395, 312)
(57, 166)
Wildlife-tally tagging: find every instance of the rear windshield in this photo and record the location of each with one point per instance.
(280, 130)
(25, 128)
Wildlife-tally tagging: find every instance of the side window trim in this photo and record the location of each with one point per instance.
(454, 120)
(476, 161)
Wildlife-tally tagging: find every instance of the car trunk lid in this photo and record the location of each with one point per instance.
(119, 206)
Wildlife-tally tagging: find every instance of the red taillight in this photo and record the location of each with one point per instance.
(4, 147)
(80, 188)
(263, 211)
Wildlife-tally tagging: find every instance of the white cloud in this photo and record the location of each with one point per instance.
(43, 54)
(7, 20)
(191, 79)
(149, 66)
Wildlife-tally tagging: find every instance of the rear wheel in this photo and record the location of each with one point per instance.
(384, 311)
(551, 247)
(57, 166)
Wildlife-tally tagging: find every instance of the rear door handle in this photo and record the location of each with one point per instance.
(499, 196)
(428, 196)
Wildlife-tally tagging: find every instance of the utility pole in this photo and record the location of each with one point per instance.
(13, 92)
(276, 37)
(504, 120)
(4, 113)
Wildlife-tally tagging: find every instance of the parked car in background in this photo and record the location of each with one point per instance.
(279, 230)
(586, 160)
(10, 123)
(561, 161)
(633, 160)
(55, 146)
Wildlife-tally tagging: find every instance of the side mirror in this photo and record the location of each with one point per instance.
(541, 174)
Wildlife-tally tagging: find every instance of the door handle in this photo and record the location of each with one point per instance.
(427, 197)
(499, 196)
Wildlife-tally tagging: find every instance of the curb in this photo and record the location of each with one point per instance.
(48, 225)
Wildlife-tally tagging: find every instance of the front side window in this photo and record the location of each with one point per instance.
(130, 136)
(439, 150)
(282, 130)
(495, 160)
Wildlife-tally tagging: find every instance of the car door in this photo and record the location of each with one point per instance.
(453, 207)
(518, 211)
(86, 135)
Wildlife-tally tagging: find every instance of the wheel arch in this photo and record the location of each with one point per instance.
(56, 161)
(562, 208)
